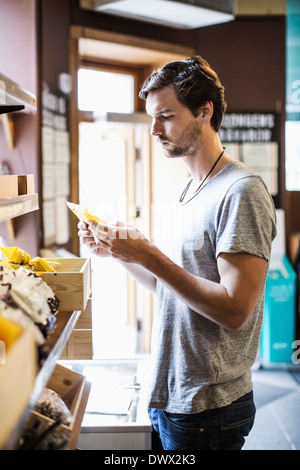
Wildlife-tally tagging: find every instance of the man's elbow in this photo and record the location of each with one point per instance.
(237, 321)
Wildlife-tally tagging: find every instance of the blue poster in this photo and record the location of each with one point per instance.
(293, 60)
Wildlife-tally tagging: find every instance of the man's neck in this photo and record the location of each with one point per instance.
(200, 164)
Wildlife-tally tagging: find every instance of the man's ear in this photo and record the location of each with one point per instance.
(207, 111)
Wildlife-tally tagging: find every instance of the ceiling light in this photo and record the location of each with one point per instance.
(177, 13)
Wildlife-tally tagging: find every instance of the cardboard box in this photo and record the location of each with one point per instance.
(71, 282)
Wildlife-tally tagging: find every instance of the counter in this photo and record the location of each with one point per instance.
(116, 415)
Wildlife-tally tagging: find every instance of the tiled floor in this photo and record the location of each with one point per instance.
(277, 398)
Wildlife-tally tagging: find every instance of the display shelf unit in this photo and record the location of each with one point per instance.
(66, 321)
(56, 342)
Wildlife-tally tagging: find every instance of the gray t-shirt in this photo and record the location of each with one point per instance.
(197, 364)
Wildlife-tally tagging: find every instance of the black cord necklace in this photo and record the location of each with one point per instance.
(183, 194)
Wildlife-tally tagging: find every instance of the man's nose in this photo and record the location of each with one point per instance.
(156, 128)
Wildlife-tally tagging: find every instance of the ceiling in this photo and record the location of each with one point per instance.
(261, 7)
(95, 48)
(243, 7)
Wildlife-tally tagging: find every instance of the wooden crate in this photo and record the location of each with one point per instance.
(80, 343)
(74, 391)
(85, 321)
(25, 184)
(17, 377)
(16, 185)
(71, 282)
(8, 186)
(79, 346)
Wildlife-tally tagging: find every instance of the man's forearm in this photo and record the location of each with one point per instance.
(141, 275)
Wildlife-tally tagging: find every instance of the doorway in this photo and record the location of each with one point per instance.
(122, 310)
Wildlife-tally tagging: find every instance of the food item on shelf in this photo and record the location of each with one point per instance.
(16, 257)
(82, 213)
(9, 331)
(50, 404)
(47, 435)
(36, 437)
(29, 292)
(42, 265)
(16, 315)
(26, 299)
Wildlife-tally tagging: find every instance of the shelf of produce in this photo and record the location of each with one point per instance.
(56, 342)
(14, 206)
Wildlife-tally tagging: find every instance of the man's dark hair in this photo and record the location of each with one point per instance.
(195, 83)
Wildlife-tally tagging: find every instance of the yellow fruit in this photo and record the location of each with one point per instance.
(9, 331)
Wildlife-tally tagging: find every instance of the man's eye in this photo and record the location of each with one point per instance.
(169, 116)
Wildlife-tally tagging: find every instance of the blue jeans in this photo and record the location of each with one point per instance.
(218, 429)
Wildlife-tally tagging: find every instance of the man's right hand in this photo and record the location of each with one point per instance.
(90, 241)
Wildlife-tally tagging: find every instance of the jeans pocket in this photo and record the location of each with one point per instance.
(192, 422)
(181, 432)
(233, 435)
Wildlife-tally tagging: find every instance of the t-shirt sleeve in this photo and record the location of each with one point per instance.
(246, 219)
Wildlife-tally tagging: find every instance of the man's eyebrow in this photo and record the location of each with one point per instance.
(165, 111)
(162, 111)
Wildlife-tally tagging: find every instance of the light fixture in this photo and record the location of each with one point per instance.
(186, 14)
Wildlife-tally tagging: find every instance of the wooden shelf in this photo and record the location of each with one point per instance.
(13, 98)
(56, 342)
(12, 94)
(15, 206)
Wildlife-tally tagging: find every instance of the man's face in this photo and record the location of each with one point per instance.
(174, 126)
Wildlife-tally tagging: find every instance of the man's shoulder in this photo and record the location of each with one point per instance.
(239, 175)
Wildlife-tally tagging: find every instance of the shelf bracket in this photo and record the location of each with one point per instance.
(8, 127)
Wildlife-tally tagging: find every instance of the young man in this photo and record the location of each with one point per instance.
(211, 288)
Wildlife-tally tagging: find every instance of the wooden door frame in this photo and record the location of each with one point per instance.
(138, 46)
(163, 52)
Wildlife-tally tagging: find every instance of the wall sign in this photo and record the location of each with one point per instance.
(249, 127)
(55, 168)
(253, 138)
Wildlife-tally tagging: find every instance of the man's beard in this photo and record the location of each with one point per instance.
(187, 146)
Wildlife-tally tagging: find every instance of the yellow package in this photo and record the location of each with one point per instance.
(41, 264)
(82, 213)
(15, 254)
(8, 264)
(9, 331)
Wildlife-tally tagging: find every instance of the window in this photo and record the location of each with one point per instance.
(103, 188)
(101, 91)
